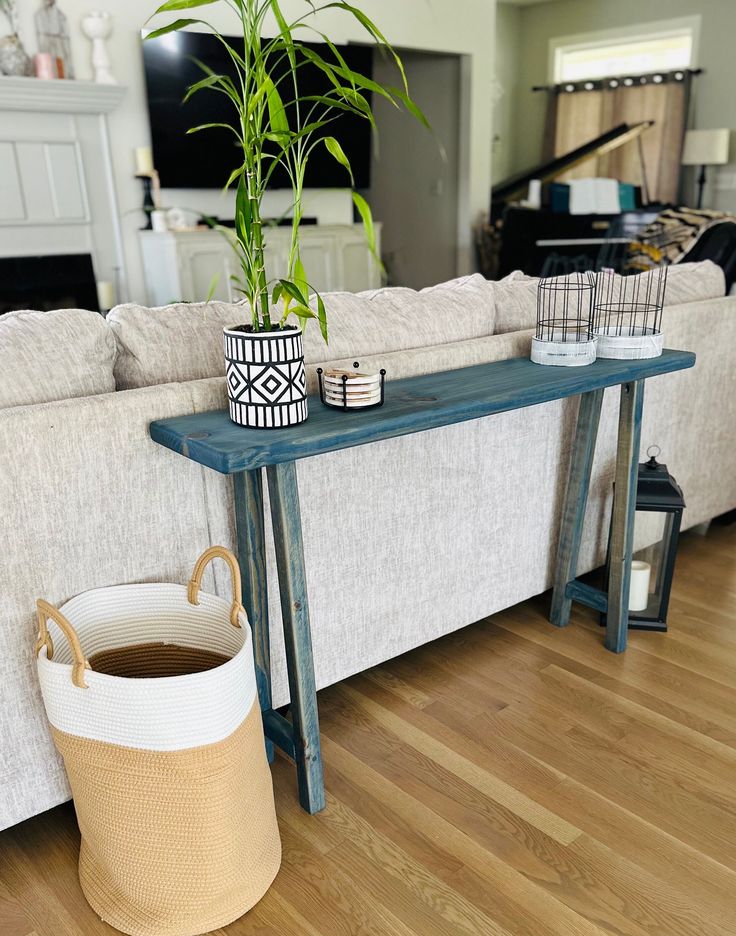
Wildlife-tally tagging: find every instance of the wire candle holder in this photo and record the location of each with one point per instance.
(564, 335)
(627, 314)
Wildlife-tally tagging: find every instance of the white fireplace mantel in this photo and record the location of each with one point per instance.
(57, 188)
(59, 96)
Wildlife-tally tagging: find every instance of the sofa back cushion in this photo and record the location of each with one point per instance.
(184, 341)
(170, 344)
(397, 318)
(58, 355)
(515, 296)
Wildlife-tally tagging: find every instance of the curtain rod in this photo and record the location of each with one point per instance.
(617, 81)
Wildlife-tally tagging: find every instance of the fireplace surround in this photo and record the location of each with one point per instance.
(61, 281)
(59, 219)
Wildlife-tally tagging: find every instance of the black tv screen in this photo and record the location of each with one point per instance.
(206, 159)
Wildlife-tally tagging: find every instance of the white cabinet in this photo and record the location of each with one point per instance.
(182, 265)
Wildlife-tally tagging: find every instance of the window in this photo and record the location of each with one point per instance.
(639, 50)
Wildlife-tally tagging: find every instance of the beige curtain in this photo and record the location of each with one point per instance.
(583, 115)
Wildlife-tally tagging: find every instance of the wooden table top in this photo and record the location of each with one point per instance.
(411, 405)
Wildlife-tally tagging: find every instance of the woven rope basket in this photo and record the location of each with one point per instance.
(153, 706)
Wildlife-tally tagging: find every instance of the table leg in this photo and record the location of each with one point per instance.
(287, 533)
(248, 490)
(624, 507)
(576, 497)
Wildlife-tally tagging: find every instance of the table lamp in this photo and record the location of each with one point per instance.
(705, 148)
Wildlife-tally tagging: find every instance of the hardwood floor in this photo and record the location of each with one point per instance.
(507, 780)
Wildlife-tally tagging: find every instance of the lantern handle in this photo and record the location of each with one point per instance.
(653, 452)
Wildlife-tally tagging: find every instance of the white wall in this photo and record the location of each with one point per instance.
(462, 26)
(505, 124)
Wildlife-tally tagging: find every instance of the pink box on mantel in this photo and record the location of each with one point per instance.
(45, 66)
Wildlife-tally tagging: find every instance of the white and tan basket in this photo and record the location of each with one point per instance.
(153, 706)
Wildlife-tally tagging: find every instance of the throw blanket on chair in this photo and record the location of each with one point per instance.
(671, 235)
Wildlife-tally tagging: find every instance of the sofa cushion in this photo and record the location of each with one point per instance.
(433, 359)
(515, 296)
(58, 355)
(184, 341)
(171, 343)
(398, 318)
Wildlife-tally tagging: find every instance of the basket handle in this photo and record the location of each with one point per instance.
(218, 552)
(44, 611)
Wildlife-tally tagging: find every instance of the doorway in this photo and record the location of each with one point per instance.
(414, 184)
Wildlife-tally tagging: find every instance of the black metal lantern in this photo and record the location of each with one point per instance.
(659, 506)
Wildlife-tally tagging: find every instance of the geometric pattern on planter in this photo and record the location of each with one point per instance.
(266, 383)
(268, 417)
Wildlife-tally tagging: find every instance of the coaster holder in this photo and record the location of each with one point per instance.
(344, 405)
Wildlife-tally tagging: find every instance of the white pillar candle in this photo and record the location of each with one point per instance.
(639, 589)
(143, 160)
(105, 295)
(159, 221)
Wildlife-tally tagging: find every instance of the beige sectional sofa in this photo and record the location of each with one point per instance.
(405, 540)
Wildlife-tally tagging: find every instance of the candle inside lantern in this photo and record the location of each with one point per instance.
(639, 588)
(143, 160)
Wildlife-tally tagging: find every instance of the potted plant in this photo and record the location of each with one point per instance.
(265, 361)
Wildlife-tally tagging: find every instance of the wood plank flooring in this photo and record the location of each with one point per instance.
(507, 780)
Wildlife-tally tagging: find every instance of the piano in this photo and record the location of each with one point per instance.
(528, 236)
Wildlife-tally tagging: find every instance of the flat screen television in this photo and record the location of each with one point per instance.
(204, 160)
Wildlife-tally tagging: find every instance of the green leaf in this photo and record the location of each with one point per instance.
(338, 154)
(283, 138)
(276, 294)
(362, 109)
(254, 99)
(285, 32)
(336, 71)
(243, 215)
(322, 317)
(209, 126)
(304, 314)
(213, 286)
(412, 107)
(222, 83)
(359, 104)
(276, 111)
(172, 5)
(376, 33)
(236, 173)
(300, 277)
(207, 82)
(365, 213)
(172, 27)
(293, 290)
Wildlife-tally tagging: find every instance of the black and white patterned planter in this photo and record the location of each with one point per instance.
(266, 380)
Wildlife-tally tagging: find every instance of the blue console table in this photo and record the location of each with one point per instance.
(412, 405)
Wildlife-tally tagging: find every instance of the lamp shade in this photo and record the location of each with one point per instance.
(706, 147)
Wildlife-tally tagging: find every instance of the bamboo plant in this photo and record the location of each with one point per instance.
(271, 133)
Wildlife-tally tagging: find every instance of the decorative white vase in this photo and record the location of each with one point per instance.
(13, 57)
(97, 27)
(266, 379)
